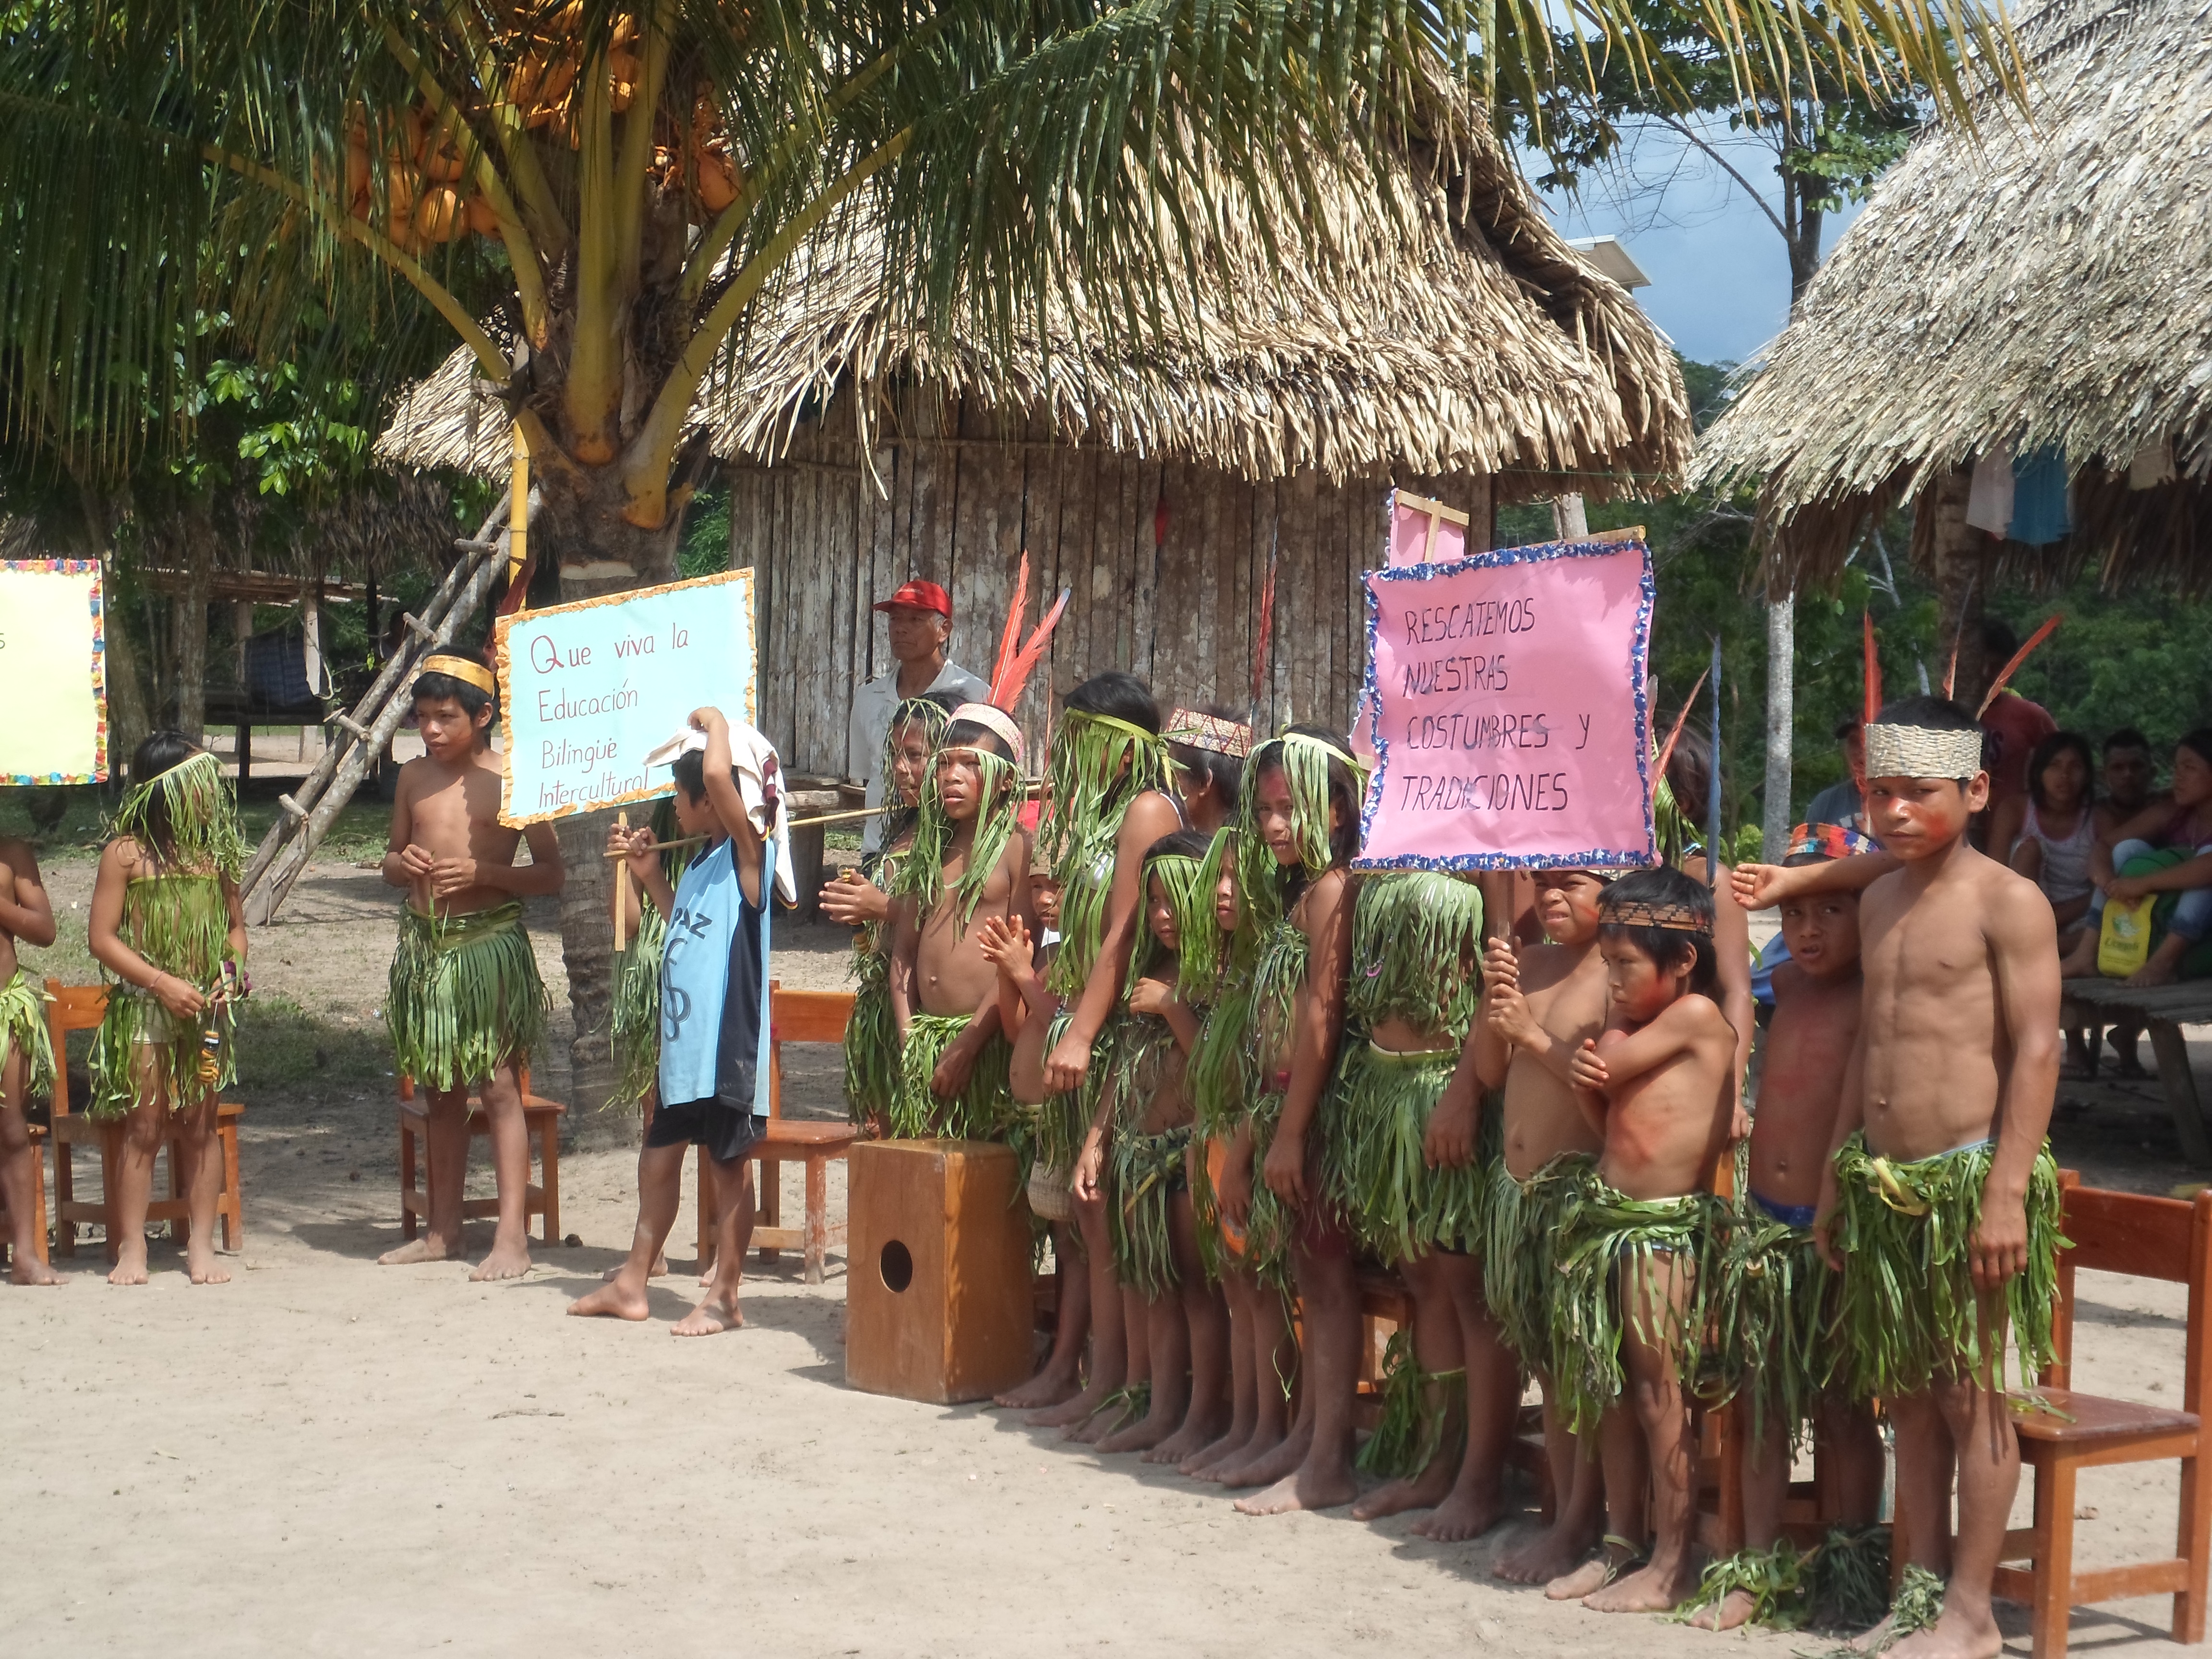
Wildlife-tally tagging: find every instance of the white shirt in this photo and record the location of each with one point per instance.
(871, 723)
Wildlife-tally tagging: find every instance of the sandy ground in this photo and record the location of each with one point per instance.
(332, 1458)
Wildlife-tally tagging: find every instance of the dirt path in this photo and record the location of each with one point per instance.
(332, 1457)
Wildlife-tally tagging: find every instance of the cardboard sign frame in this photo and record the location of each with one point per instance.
(98, 604)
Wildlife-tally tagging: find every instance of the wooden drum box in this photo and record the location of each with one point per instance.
(937, 1293)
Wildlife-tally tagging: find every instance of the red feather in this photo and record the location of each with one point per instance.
(1873, 669)
(1266, 636)
(1667, 749)
(1007, 688)
(2019, 657)
(1010, 638)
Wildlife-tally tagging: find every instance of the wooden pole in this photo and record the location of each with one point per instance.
(621, 889)
(517, 511)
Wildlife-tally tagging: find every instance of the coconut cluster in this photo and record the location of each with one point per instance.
(419, 170)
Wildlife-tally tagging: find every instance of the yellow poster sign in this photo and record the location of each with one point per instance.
(52, 678)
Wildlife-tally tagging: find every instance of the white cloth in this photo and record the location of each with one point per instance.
(2065, 858)
(1989, 498)
(753, 757)
(871, 723)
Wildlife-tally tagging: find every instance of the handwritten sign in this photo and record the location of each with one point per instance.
(588, 690)
(51, 672)
(1505, 706)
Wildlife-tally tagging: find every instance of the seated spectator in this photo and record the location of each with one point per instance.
(2013, 726)
(1839, 803)
(2125, 789)
(2182, 825)
(2048, 833)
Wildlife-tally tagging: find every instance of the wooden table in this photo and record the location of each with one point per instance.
(2161, 1010)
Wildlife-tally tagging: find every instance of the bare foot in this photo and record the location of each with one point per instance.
(1876, 1638)
(1099, 1424)
(1552, 1554)
(1185, 1442)
(1141, 1436)
(1954, 1636)
(1300, 1490)
(204, 1267)
(659, 1270)
(504, 1262)
(1206, 1463)
(1736, 1608)
(711, 1317)
(1047, 1388)
(1265, 1460)
(130, 1266)
(2152, 972)
(1653, 1588)
(28, 1269)
(1074, 1410)
(419, 1250)
(1423, 1491)
(1592, 1576)
(1462, 1515)
(612, 1302)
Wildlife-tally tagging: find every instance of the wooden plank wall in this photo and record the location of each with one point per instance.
(1165, 562)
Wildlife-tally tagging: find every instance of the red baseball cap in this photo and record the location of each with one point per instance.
(922, 596)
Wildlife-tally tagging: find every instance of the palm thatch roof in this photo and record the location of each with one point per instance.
(2045, 284)
(1465, 336)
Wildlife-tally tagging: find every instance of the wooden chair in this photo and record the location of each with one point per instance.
(38, 1196)
(796, 1017)
(541, 1122)
(81, 1008)
(2062, 1432)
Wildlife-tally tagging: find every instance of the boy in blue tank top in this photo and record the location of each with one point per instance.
(711, 980)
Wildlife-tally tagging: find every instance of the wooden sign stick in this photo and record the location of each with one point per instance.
(622, 891)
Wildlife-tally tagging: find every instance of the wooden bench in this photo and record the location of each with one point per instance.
(541, 1121)
(2162, 1010)
(2062, 1432)
(38, 1194)
(795, 1016)
(81, 1008)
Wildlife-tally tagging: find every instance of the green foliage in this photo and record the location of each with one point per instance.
(706, 549)
(2137, 657)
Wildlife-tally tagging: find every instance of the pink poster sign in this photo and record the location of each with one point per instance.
(1505, 706)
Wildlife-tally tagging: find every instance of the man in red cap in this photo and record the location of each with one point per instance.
(921, 614)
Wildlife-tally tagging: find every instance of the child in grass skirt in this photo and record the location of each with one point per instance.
(27, 1056)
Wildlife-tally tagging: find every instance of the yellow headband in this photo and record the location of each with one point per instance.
(463, 669)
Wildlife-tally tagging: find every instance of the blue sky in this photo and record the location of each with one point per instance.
(1720, 279)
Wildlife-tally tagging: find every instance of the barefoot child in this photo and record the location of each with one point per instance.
(1538, 1006)
(1301, 831)
(1943, 1191)
(712, 978)
(1775, 1298)
(1627, 1318)
(27, 1054)
(165, 924)
(1450, 1403)
(466, 1006)
(1145, 1132)
(860, 899)
(970, 861)
(1106, 805)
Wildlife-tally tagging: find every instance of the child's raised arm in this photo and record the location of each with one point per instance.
(1506, 1025)
(1763, 886)
(638, 848)
(729, 803)
(1150, 817)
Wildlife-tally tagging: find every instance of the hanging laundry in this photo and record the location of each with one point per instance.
(1989, 501)
(2039, 498)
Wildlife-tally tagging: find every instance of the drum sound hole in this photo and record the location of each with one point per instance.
(896, 1266)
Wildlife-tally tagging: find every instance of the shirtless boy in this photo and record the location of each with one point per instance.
(1660, 1084)
(969, 864)
(1538, 1006)
(1950, 1087)
(27, 1057)
(466, 1006)
(706, 1079)
(1776, 1299)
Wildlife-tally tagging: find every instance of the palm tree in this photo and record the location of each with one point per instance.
(617, 181)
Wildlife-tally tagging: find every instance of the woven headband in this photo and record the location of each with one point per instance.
(1136, 731)
(1830, 840)
(1675, 918)
(1210, 733)
(462, 669)
(1920, 752)
(994, 720)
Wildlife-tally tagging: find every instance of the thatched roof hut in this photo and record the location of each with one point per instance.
(1478, 358)
(2042, 284)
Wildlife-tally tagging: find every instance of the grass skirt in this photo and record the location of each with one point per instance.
(1602, 1233)
(466, 998)
(981, 1111)
(1775, 1306)
(23, 1031)
(1056, 1129)
(180, 923)
(1908, 1310)
(871, 1046)
(1398, 1205)
(635, 1026)
(1522, 1227)
(1270, 1224)
(1147, 1170)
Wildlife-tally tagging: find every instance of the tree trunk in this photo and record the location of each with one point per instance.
(1781, 724)
(1570, 522)
(577, 521)
(190, 620)
(1953, 549)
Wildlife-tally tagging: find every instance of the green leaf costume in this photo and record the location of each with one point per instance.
(23, 1031)
(465, 999)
